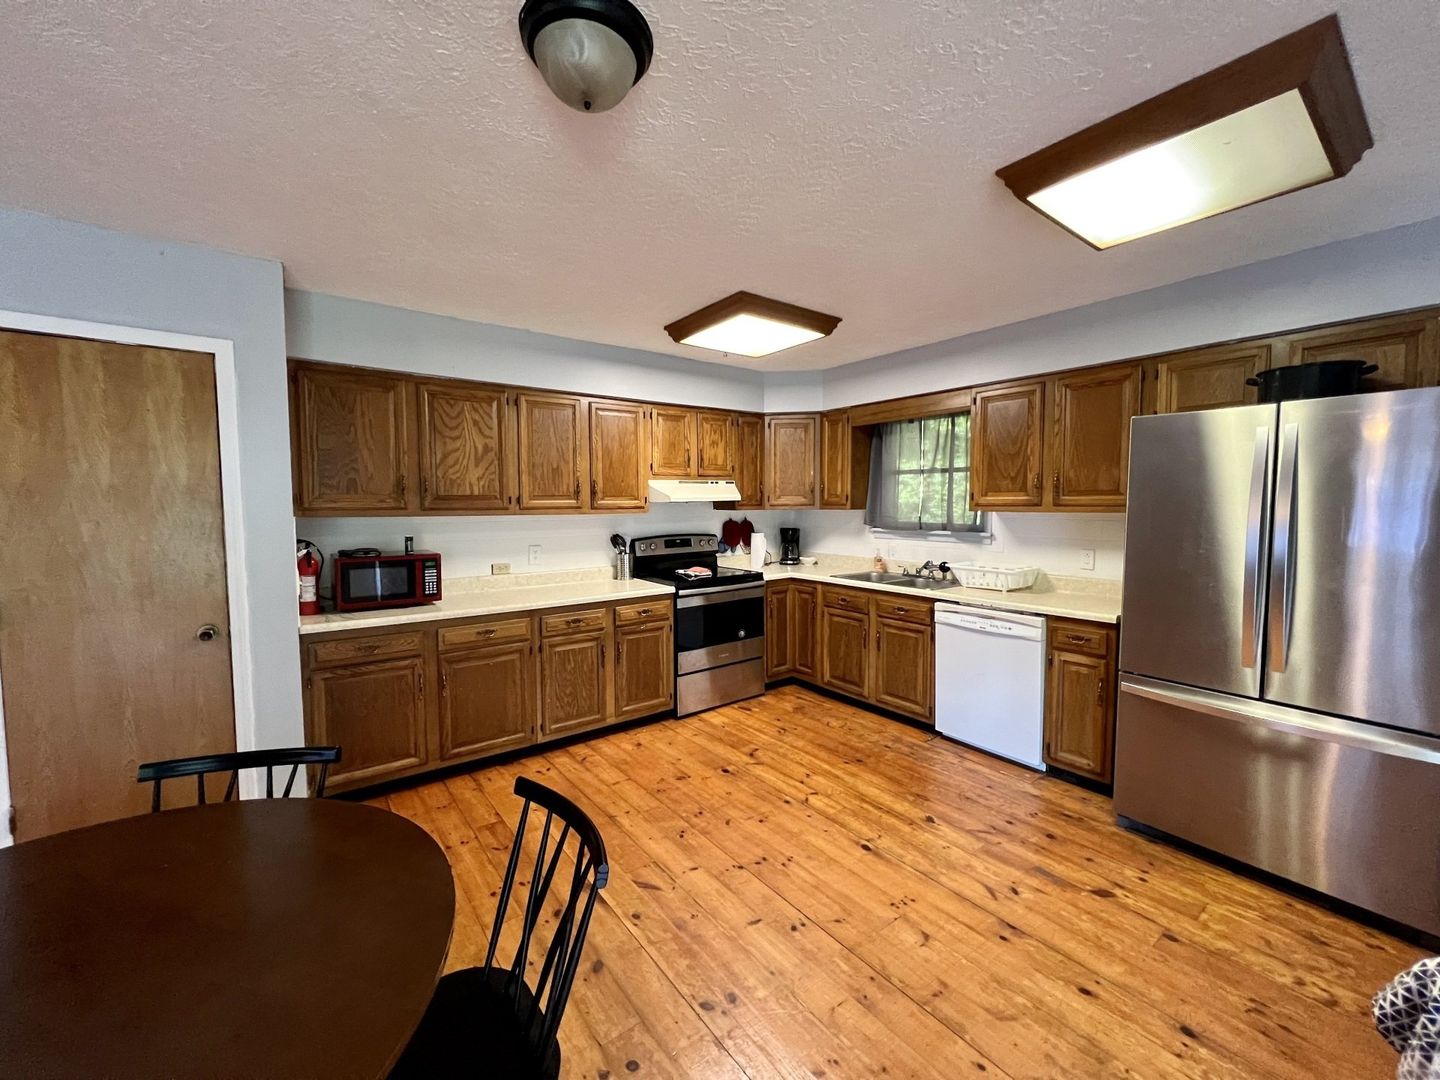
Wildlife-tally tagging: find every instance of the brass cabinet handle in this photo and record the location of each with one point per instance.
(422, 685)
(575, 621)
(1037, 483)
(489, 631)
(1100, 692)
(403, 485)
(424, 487)
(877, 639)
(444, 683)
(644, 611)
(1078, 639)
(1055, 484)
(594, 490)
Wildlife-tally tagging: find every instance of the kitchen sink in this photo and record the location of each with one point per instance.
(925, 583)
(877, 577)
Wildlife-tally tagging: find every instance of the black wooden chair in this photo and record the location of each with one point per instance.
(484, 1021)
(157, 772)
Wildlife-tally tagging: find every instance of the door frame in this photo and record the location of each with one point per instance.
(227, 415)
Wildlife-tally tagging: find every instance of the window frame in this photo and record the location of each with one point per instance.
(980, 532)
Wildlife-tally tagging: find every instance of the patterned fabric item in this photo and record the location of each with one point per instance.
(1407, 1013)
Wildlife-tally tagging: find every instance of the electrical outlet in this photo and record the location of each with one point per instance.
(533, 554)
(499, 568)
(1087, 559)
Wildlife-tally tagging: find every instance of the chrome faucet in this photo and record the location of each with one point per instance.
(933, 570)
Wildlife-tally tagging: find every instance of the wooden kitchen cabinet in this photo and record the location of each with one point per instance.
(1089, 448)
(715, 444)
(903, 677)
(375, 712)
(844, 462)
(1080, 698)
(1007, 439)
(467, 457)
(487, 699)
(619, 456)
(804, 609)
(351, 435)
(845, 646)
(749, 463)
(672, 441)
(1404, 347)
(791, 459)
(1209, 378)
(644, 668)
(779, 640)
(552, 451)
(574, 687)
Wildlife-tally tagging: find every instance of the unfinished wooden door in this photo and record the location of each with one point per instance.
(552, 451)
(619, 456)
(1089, 451)
(1007, 434)
(466, 448)
(112, 539)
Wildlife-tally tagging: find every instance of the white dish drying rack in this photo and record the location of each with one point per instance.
(997, 578)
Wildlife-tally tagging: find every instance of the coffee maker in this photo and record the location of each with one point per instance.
(789, 547)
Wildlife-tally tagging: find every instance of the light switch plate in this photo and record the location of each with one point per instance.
(499, 568)
(1087, 559)
(533, 554)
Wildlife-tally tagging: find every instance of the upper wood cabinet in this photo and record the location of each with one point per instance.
(715, 439)
(790, 459)
(1089, 450)
(467, 459)
(619, 456)
(1404, 347)
(844, 462)
(672, 441)
(1007, 437)
(1209, 378)
(352, 440)
(552, 451)
(1080, 698)
(749, 462)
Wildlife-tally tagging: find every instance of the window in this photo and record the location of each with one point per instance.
(920, 477)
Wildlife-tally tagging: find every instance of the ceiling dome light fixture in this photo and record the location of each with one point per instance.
(590, 52)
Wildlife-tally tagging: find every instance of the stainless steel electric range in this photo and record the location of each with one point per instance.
(719, 619)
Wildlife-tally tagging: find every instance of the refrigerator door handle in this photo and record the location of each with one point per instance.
(1282, 552)
(1257, 518)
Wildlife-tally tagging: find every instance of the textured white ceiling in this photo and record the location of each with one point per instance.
(836, 155)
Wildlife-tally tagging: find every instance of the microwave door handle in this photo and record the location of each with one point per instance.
(1257, 518)
(1282, 552)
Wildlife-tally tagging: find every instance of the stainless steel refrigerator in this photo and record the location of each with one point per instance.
(1280, 642)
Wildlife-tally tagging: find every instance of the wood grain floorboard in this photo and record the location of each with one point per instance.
(801, 888)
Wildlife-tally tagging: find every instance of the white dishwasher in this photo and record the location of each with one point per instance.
(990, 681)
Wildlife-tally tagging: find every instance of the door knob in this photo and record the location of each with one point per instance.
(208, 632)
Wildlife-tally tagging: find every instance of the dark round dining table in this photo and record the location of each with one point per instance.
(263, 938)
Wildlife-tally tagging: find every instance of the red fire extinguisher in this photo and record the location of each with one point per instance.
(307, 572)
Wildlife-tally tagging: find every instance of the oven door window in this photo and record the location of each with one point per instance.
(721, 623)
(376, 582)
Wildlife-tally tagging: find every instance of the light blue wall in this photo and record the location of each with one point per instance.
(62, 269)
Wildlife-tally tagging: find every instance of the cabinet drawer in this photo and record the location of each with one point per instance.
(895, 607)
(461, 637)
(845, 599)
(656, 610)
(573, 622)
(348, 650)
(1080, 637)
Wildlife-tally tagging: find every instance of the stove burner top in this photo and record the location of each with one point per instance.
(688, 562)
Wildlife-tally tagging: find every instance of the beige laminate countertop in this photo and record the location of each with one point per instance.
(488, 602)
(1097, 606)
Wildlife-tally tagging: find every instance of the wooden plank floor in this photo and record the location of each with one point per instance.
(801, 888)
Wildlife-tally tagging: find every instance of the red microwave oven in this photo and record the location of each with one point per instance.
(383, 581)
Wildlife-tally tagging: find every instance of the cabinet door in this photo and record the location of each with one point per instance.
(804, 608)
(778, 659)
(1208, 378)
(487, 700)
(1006, 435)
(644, 670)
(375, 713)
(619, 456)
(845, 651)
(552, 441)
(1079, 705)
(672, 441)
(466, 459)
(715, 435)
(790, 460)
(749, 462)
(353, 440)
(572, 681)
(1402, 346)
(903, 678)
(1090, 436)
(835, 460)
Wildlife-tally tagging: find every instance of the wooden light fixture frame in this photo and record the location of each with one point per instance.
(1312, 60)
(748, 303)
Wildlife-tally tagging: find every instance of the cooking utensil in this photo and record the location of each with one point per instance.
(1318, 379)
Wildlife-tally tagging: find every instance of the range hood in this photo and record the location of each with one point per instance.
(693, 491)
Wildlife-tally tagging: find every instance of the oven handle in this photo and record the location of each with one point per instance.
(721, 594)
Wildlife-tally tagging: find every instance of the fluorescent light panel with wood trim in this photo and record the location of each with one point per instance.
(749, 325)
(1284, 117)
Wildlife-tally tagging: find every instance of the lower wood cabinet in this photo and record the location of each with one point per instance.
(400, 702)
(779, 639)
(845, 650)
(1080, 698)
(804, 608)
(903, 675)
